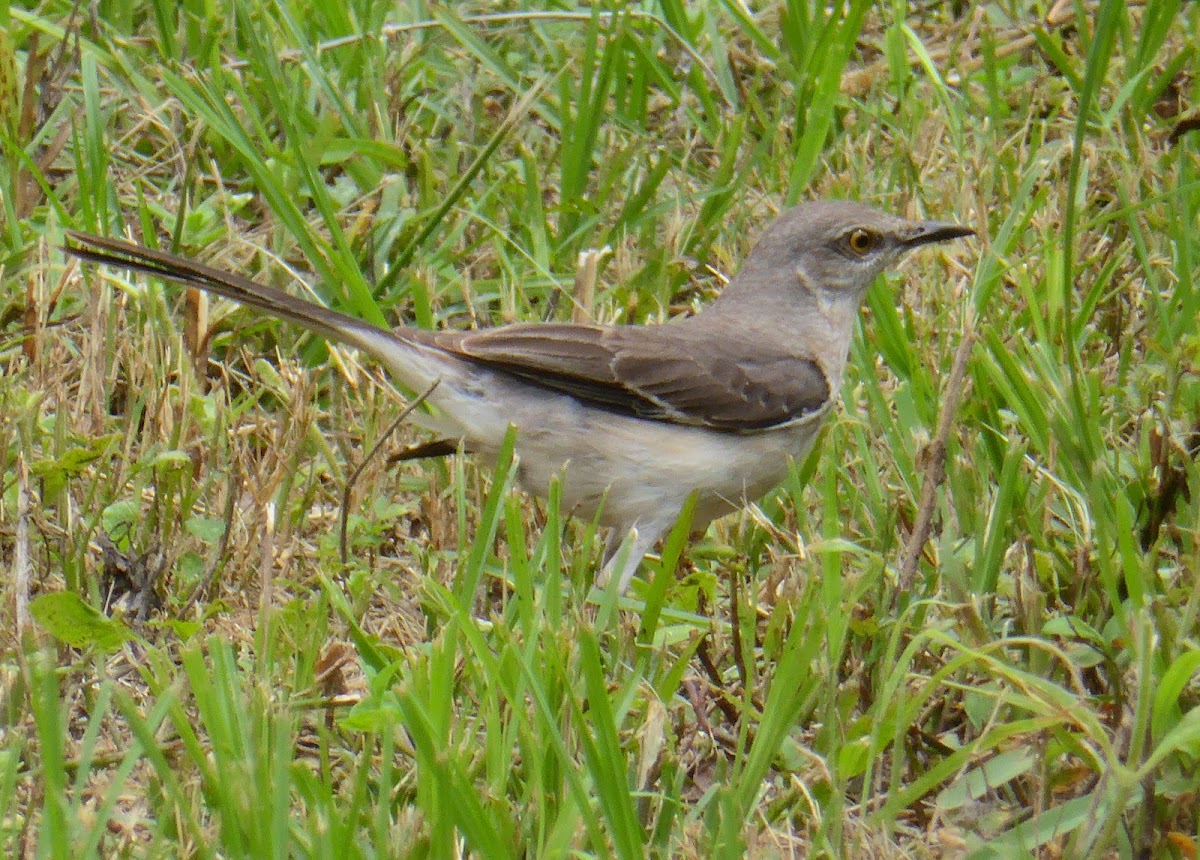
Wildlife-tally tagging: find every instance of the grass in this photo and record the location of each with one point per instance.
(807, 679)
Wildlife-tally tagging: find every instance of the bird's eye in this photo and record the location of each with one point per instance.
(861, 240)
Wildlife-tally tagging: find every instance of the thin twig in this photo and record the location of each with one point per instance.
(723, 700)
(735, 629)
(935, 466)
(358, 470)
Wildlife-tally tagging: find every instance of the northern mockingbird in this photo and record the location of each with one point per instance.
(633, 418)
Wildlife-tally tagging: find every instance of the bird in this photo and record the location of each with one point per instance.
(631, 419)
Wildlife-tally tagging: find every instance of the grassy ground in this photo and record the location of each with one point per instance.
(966, 626)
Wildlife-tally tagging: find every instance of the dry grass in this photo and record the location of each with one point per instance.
(801, 691)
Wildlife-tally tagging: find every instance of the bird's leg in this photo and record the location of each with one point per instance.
(622, 560)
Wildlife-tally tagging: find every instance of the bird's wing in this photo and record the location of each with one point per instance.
(664, 373)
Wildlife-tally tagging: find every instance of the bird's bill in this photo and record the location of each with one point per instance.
(928, 232)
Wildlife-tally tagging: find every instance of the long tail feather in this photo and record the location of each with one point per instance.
(321, 320)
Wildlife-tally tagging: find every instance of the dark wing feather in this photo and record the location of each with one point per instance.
(663, 373)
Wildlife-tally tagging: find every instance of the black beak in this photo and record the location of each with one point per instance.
(928, 232)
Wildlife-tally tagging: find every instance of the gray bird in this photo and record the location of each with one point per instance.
(633, 418)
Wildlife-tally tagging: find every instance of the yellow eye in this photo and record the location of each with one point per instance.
(861, 240)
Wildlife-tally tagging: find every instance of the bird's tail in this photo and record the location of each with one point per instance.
(316, 318)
